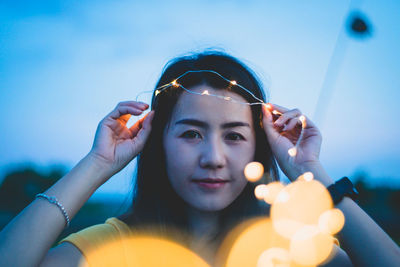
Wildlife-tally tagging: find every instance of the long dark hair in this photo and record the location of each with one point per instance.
(154, 200)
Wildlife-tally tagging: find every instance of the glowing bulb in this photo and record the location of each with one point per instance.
(274, 188)
(174, 83)
(274, 257)
(233, 82)
(260, 191)
(308, 176)
(331, 221)
(205, 92)
(302, 118)
(282, 197)
(157, 92)
(292, 152)
(276, 112)
(253, 171)
(309, 246)
(269, 106)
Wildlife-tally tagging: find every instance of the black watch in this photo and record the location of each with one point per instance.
(342, 188)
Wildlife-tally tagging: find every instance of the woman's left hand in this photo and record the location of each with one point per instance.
(283, 134)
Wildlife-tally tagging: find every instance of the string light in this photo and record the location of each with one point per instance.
(175, 84)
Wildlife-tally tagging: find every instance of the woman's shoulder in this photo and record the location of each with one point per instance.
(96, 235)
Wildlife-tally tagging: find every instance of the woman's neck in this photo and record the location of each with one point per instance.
(203, 225)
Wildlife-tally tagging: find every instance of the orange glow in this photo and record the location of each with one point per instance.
(175, 83)
(268, 106)
(248, 241)
(272, 192)
(331, 221)
(260, 191)
(302, 118)
(309, 246)
(299, 203)
(272, 257)
(253, 171)
(307, 176)
(233, 82)
(276, 112)
(143, 251)
(157, 92)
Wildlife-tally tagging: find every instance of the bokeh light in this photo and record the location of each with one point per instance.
(307, 176)
(261, 191)
(274, 257)
(272, 191)
(254, 171)
(309, 246)
(298, 204)
(331, 221)
(248, 241)
(146, 251)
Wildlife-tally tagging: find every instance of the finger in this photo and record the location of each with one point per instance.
(134, 104)
(122, 110)
(143, 133)
(278, 108)
(291, 124)
(124, 118)
(287, 116)
(139, 124)
(268, 124)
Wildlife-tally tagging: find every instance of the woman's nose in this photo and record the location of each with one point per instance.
(212, 155)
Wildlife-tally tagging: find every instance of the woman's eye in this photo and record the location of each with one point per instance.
(235, 136)
(191, 134)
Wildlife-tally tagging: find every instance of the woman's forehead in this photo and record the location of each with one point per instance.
(211, 108)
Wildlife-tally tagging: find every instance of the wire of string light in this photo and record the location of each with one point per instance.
(175, 84)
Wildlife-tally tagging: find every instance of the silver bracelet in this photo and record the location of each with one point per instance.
(53, 200)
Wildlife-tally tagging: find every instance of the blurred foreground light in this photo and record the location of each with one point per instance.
(261, 191)
(309, 246)
(303, 205)
(272, 191)
(143, 251)
(331, 221)
(307, 176)
(244, 245)
(254, 171)
(274, 257)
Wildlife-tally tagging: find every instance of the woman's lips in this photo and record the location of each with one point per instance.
(210, 183)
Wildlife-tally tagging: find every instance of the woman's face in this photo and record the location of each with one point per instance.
(207, 143)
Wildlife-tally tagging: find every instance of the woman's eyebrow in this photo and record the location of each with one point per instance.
(203, 124)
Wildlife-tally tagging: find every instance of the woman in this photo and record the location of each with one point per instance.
(192, 149)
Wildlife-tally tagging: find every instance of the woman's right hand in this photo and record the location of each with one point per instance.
(115, 145)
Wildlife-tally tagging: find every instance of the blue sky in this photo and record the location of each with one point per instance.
(65, 64)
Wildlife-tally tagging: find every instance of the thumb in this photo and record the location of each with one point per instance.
(144, 132)
(268, 123)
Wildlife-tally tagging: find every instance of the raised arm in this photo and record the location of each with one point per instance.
(28, 237)
(363, 240)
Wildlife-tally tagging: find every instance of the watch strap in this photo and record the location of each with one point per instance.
(341, 188)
